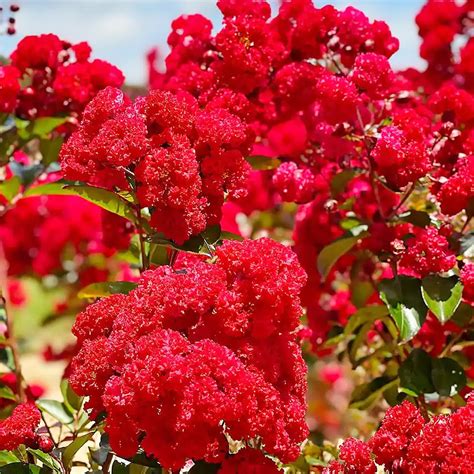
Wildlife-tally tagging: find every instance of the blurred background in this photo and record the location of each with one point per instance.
(122, 31)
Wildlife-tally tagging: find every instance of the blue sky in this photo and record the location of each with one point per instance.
(121, 31)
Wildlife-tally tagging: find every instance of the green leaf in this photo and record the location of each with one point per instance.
(415, 373)
(402, 295)
(7, 457)
(49, 149)
(448, 376)
(143, 460)
(259, 162)
(212, 234)
(46, 459)
(20, 468)
(463, 314)
(100, 290)
(43, 126)
(225, 235)
(359, 340)
(340, 181)
(101, 197)
(56, 409)
(10, 188)
(365, 315)
(361, 291)
(365, 395)
(418, 218)
(119, 468)
(7, 393)
(71, 399)
(202, 467)
(200, 244)
(349, 223)
(74, 447)
(49, 189)
(330, 254)
(6, 357)
(442, 295)
(158, 255)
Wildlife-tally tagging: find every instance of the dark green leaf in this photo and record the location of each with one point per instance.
(56, 409)
(202, 467)
(259, 162)
(7, 393)
(230, 236)
(402, 295)
(448, 376)
(463, 314)
(365, 315)
(143, 460)
(46, 459)
(330, 254)
(74, 447)
(361, 291)
(20, 468)
(71, 399)
(442, 295)
(6, 357)
(212, 234)
(100, 290)
(101, 197)
(49, 149)
(119, 468)
(415, 373)
(158, 255)
(365, 395)
(418, 218)
(10, 188)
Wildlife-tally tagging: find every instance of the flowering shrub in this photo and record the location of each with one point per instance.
(275, 237)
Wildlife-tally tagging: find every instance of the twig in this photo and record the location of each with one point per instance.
(404, 199)
(108, 462)
(48, 429)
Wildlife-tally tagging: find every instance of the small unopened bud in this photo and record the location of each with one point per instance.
(45, 443)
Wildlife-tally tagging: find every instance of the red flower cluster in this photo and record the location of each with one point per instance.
(20, 427)
(9, 88)
(406, 443)
(197, 352)
(60, 78)
(272, 68)
(183, 158)
(427, 251)
(37, 232)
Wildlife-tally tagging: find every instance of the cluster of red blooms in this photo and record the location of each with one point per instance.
(319, 94)
(21, 428)
(49, 77)
(199, 352)
(39, 233)
(182, 158)
(406, 443)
